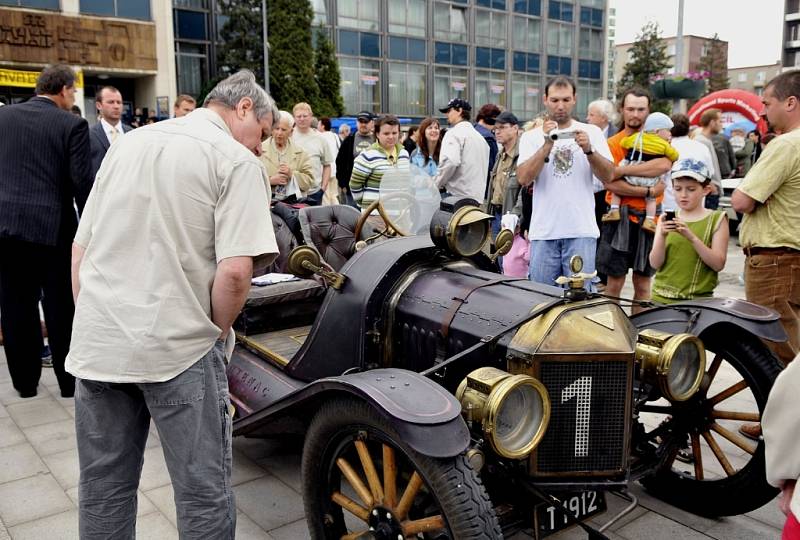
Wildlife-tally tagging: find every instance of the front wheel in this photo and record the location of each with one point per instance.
(359, 478)
(725, 473)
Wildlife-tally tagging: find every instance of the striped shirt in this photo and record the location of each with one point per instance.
(369, 168)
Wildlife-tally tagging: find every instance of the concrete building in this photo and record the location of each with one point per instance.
(753, 78)
(410, 57)
(791, 34)
(694, 48)
(611, 55)
(108, 42)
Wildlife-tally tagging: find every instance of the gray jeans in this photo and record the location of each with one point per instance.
(194, 425)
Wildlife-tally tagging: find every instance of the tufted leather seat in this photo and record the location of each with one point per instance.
(331, 231)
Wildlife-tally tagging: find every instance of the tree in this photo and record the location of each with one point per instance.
(242, 44)
(715, 62)
(291, 56)
(326, 71)
(648, 57)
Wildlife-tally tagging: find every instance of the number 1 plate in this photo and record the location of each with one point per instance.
(580, 505)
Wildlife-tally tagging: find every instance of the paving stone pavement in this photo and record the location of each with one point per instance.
(39, 477)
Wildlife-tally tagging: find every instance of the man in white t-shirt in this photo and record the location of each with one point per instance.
(317, 148)
(563, 157)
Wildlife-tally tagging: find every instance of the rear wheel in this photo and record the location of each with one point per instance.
(725, 475)
(359, 477)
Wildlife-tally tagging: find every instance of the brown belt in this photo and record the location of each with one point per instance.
(755, 250)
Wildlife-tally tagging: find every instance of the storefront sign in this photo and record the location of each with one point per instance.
(458, 86)
(498, 89)
(44, 38)
(532, 92)
(27, 79)
(369, 80)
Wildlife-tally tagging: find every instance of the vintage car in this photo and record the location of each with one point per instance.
(438, 398)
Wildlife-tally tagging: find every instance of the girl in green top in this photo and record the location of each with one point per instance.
(690, 248)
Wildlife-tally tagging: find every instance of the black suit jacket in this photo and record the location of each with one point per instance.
(100, 144)
(44, 167)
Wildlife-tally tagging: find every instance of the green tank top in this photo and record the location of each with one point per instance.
(684, 275)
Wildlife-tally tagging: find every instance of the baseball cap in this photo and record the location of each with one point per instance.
(691, 168)
(457, 103)
(506, 117)
(656, 121)
(365, 115)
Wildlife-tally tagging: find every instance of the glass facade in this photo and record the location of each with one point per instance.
(410, 57)
(131, 9)
(196, 29)
(36, 4)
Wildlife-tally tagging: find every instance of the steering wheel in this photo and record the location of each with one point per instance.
(391, 229)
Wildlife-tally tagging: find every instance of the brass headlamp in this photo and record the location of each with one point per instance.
(460, 227)
(674, 362)
(512, 410)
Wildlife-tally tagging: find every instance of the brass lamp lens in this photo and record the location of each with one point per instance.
(519, 418)
(686, 369)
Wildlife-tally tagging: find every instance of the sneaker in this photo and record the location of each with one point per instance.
(751, 431)
(611, 215)
(47, 357)
(685, 455)
(649, 225)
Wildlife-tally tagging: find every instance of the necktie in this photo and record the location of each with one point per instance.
(114, 134)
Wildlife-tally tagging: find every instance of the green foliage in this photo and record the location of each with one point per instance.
(326, 71)
(242, 44)
(715, 62)
(648, 57)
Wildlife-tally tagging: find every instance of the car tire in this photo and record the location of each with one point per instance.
(451, 486)
(747, 489)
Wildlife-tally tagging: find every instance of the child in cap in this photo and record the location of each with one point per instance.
(650, 143)
(690, 249)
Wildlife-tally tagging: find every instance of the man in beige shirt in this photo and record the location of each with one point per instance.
(161, 266)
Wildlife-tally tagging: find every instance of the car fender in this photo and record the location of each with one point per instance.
(426, 416)
(696, 316)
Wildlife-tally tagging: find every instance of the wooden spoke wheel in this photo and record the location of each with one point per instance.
(361, 481)
(708, 467)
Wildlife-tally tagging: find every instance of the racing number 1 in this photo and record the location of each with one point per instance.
(581, 389)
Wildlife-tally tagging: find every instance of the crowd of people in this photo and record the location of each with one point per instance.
(636, 194)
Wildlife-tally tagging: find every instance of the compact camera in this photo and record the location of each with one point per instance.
(563, 135)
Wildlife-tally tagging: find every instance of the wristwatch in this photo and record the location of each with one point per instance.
(590, 152)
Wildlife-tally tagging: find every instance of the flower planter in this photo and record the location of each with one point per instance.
(674, 89)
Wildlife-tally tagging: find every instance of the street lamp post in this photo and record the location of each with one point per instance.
(265, 36)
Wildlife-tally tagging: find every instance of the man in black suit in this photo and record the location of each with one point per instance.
(109, 127)
(44, 153)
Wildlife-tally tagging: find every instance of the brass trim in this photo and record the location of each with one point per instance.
(655, 351)
(257, 347)
(466, 215)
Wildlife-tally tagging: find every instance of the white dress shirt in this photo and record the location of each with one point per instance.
(108, 129)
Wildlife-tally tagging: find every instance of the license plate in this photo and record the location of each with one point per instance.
(579, 505)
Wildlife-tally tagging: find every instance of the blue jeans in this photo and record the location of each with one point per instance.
(191, 414)
(550, 258)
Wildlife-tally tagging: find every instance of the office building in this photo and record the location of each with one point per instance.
(753, 78)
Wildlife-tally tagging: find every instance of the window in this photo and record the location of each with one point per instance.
(362, 14)
(320, 8)
(494, 4)
(600, 4)
(449, 83)
(590, 44)
(559, 39)
(760, 76)
(407, 17)
(560, 11)
(526, 62)
(132, 9)
(531, 7)
(490, 58)
(407, 89)
(192, 66)
(490, 28)
(190, 25)
(39, 4)
(359, 43)
(193, 4)
(587, 92)
(592, 16)
(527, 34)
(407, 49)
(360, 84)
(525, 98)
(451, 53)
(490, 87)
(450, 22)
(743, 77)
(559, 65)
(589, 69)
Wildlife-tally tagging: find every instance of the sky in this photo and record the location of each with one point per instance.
(753, 29)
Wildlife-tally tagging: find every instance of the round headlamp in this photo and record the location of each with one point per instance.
(512, 410)
(461, 228)
(675, 363)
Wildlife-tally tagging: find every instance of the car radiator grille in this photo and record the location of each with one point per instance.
(588, 421)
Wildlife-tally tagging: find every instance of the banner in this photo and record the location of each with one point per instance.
(27, 79)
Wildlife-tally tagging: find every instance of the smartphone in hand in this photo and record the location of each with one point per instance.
(669, 215)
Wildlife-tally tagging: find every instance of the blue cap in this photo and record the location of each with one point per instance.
(457, 103)
(692, 168)
(656, 121)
